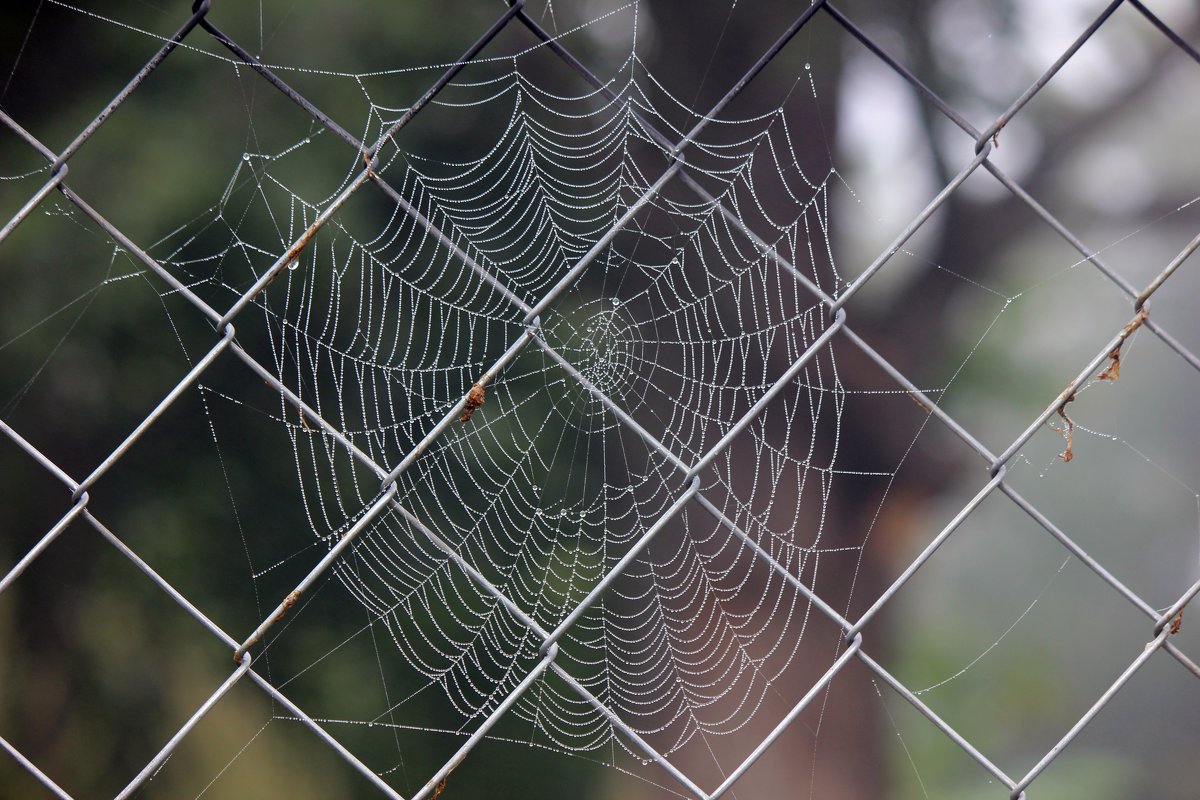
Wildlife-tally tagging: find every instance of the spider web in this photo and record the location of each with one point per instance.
(682, 322)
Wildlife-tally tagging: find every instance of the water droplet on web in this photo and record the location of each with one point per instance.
(807, 65)
(295, 263)
(616, 302)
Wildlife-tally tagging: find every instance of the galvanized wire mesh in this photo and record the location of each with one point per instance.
(1160, 625)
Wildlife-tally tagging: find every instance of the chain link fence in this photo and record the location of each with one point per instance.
(1160, 625)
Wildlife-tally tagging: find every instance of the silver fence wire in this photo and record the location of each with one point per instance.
(203, 23)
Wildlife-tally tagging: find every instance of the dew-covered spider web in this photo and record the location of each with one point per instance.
(682, 323)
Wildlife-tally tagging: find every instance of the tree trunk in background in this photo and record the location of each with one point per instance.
(835, 749)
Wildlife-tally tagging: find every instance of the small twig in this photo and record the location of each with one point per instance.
(1113, 370)
(1069, 431)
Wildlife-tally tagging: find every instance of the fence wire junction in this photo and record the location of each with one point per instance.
(1160, 625)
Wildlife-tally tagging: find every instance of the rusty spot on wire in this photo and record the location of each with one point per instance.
(475, 398)
(292, 254)
(1177, 623)
(369, 161)
(288, 602)
(441, 785)
(1113, 370)
(917, 400)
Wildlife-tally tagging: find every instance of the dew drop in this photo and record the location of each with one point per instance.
(295, 263)
(807, 65)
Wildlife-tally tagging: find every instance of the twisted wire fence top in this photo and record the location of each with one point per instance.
(540, 397)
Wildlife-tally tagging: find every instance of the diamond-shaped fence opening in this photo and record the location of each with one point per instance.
(527, 402)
